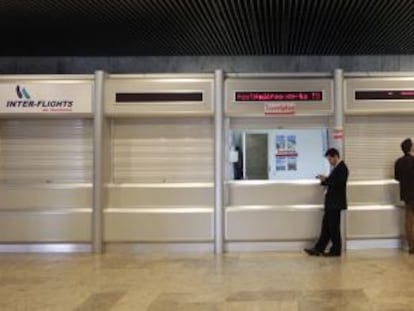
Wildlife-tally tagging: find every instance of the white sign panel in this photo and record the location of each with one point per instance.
(280, 108)
(46, 97)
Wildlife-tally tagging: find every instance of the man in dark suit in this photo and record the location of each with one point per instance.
(404, 173)
(335, 201)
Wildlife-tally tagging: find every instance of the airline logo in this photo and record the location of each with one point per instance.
(22, 93)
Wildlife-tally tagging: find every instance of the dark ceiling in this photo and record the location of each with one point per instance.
(206, 27)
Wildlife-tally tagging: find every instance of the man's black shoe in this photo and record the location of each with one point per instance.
(312, 252)
(332, 254)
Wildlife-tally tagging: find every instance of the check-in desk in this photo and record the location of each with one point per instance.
(272, 214)
(46, 147)
(276, 214)
(159, 179)
(374, 214)
(155, 212)
(379, 110)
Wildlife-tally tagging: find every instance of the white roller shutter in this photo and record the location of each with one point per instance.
(46, 151)
(372, 144)
(162, 150)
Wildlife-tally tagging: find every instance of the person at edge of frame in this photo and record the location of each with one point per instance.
(404, 173)
(335, 202)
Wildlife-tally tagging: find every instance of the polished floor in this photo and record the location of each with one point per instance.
(361, 280)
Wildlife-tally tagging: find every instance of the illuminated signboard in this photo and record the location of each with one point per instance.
(264, 96)
(159, 97)
(385, 95)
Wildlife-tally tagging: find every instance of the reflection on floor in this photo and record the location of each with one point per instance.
(360, 280)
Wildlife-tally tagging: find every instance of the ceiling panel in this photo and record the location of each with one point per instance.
(206, 27)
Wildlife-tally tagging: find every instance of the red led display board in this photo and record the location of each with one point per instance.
(159, 97)
(385, 95)
(263, 96)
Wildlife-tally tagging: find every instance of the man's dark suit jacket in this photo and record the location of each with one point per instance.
(404, 173)
(335, 197)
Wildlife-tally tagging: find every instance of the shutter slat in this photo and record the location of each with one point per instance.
(372, 144)
(39, 151)
(162, 150)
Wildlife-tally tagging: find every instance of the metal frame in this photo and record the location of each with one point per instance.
(280, 75)
(218, 161)
(49, 246)
(98, 165)
(339, 124)
(46, 77)
(378, 74)
(371, 107)
(45, 248)
(195, 76)
(162, 109)
(288, 81)
(339, 104)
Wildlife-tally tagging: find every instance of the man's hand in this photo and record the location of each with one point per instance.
(322, 177)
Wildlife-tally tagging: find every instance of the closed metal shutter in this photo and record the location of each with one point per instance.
(372, 144)
(46, 151)
(162, 150)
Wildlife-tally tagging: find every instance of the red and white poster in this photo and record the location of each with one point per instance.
(286, 154)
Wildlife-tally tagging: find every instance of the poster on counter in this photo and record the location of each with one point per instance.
(280, 142)
(292, 163)
(291, 142)
(297, 153)
(280, 164)
(286, 154)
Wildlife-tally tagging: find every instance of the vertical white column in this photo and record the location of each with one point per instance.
(338, 134)
(218, 161)
(97, 245)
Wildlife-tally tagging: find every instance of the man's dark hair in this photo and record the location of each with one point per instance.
(406, 145)
(332, 152)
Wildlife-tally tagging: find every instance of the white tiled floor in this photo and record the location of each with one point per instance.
(375, 280)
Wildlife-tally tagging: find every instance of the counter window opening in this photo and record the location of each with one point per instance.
(277, 154)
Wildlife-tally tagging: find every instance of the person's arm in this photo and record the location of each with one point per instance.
(397, 173)
(411, 170)
(337, 179)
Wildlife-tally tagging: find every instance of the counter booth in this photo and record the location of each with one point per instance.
(158, 157)
(379, 116)
(277, 129)
(46, 144)
(176, 162)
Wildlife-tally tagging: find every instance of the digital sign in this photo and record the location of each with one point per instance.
(263, 96)
(159, 97)
(385, 95)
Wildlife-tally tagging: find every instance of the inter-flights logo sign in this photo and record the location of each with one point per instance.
(25, 101)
